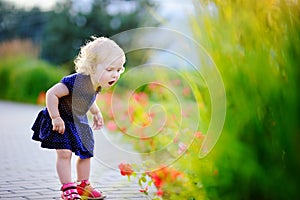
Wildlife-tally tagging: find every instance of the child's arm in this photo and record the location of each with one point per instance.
(52, 96)
(97, 116)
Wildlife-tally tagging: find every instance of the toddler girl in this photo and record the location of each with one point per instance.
(63, 124)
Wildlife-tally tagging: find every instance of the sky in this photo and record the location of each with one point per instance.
(31, 3)
(173, 13)
(45, 5)
(167, 6)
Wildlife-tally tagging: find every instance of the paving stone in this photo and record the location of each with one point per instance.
(28, 172)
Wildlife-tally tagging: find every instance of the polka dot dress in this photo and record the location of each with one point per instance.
(78, 136)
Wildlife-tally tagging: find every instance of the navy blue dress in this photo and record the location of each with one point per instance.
(78, 136)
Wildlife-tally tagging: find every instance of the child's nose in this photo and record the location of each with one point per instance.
(114, 74)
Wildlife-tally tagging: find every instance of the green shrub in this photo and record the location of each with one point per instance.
(23, 79)
(255, 45)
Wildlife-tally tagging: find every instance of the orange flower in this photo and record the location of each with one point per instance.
(141, 98)
(41, 100)
(216, 172)
(125, 169)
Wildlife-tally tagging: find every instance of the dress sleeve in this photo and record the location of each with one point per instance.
(69, 82)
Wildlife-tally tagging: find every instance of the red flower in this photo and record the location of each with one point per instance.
(152, 86)
(156, 180)
(141, 98)
(145, 190)
(163, 176)
(175, 140)
(186, 91)
(198, 134)
(159, 192)
(177, 82)
(111, 125)
(125, 169)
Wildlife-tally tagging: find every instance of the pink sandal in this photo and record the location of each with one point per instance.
(86, 191)
(69, 192)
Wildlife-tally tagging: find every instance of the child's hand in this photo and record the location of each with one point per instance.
(58, 125)
(98, 121)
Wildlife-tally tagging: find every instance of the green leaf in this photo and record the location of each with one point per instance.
(150, 183)
(144, 179)
(140, 182)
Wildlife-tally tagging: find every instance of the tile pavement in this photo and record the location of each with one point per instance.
(28, 172)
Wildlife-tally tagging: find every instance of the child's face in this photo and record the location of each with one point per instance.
(109, 73)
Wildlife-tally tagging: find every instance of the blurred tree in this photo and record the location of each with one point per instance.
(70, 24)
(20, 23)
(60, 32)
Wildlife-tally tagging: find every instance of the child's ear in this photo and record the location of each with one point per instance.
(93, 69)
(122, 70)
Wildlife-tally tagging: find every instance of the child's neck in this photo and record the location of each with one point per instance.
(96, 86)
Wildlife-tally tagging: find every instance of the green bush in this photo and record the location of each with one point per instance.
(255, 45)
(23, 79)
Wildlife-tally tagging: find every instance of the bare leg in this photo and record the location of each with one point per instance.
(83, 169)
(63, 165)
(83, 173)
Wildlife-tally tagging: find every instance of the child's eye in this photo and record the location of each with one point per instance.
(120, 70)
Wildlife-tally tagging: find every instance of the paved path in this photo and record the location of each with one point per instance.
(28, 171)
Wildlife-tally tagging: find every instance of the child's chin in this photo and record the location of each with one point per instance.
(108, 86)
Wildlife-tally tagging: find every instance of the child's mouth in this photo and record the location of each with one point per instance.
(111, 82)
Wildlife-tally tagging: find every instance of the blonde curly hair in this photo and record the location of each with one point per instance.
(97, 51)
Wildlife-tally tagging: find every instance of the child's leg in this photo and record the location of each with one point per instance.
(83, 169)
(63, 165)
(84, 187)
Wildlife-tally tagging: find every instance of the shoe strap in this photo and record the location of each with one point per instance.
(67, 186)
(70, 191)
(73, 196)
(83, 183)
